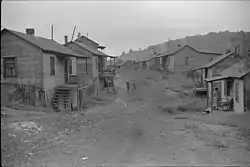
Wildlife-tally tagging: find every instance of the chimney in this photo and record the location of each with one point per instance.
(30, 31)
(66, 39)
(79, 35)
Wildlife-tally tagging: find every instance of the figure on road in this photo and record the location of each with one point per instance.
(216, 96)
(128, 88)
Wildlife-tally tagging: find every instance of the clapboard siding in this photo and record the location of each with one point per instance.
(50, 82)
(28, 60)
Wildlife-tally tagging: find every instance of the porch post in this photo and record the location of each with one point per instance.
(193, 79)
(77, 80)
(211, 92)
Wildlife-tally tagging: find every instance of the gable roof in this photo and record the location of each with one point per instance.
(90, 49)
(144, 56)
(214, 61)
(87, 38)
(173, 50)
(47, 45)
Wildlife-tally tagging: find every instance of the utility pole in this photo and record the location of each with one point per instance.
(52, 32)
(73, 33)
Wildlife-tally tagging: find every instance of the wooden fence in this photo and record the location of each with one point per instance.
(28, 94)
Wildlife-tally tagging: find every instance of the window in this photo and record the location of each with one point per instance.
(186, 60)
(70, 67)
(9, 66)
(237, 91)
(52, 66)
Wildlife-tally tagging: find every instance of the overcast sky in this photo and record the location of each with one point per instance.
(121, 25)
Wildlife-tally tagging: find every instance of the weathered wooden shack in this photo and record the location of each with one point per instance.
(98, 74)
(33, 60)
(212, 69)
(235, 87)
(185, 58)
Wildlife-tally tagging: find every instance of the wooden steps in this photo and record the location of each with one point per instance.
(61, 100)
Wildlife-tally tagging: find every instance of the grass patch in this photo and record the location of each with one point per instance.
(209, 137)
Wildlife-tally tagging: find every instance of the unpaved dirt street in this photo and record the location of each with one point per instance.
(133, 130)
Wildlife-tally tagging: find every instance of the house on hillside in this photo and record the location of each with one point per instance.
(143, 61)
(125, 65)
(31, 60)
(185, 58)
(212, 69)
(97, 71)
(235, 87)
(241, 43)
(155, 62)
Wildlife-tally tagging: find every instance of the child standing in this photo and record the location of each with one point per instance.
(128, 85)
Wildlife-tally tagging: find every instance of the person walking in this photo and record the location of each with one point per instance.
(134, 88)
(216, 96)
(128, 85)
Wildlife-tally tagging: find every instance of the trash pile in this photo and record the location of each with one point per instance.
(27, 126)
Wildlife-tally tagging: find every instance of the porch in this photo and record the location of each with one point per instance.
(107, 72)
(199, 77)
(231, 94)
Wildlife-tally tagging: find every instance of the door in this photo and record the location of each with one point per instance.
(66, 71)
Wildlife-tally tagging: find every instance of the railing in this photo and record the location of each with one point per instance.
(107, 72)
(199, 84)
(73, 79)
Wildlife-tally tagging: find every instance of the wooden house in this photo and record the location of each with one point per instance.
(98, 74)
(143, 61)
(185, 58)
(44, 63)
(211, 69)
(235, 87)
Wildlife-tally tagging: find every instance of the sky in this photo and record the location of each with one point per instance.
(121, 25)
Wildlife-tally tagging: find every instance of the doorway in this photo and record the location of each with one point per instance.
(66, 71)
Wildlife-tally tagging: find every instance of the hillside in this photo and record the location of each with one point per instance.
(213, 42)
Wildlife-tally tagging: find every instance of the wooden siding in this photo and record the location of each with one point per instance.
(247, 90)
(195, 59)
(224, 64)
(28, 62)
(50, 82)
(81, 51)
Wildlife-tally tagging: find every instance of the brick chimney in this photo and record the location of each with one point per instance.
(30, 31)
(66, 39)
(79, 35)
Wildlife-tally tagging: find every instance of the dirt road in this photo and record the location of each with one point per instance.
(134, 131)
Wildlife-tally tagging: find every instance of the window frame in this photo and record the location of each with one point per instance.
(5, 68)
(52, 66)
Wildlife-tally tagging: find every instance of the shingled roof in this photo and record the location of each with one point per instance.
(47, 45)
(214, 61)
(238, 70)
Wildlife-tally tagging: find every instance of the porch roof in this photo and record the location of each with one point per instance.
(217, 78)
